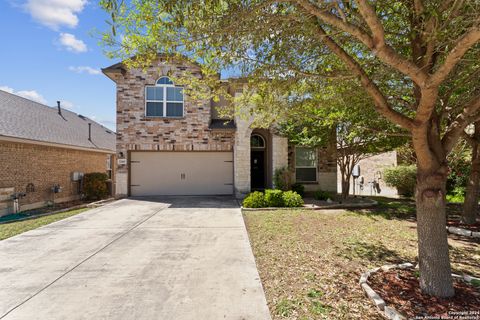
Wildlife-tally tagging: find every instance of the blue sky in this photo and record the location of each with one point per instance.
(50, 52)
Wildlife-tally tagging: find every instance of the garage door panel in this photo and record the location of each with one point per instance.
(181, 173)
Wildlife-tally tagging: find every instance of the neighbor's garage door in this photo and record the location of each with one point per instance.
(181, 173)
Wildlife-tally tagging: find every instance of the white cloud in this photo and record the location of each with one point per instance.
(71, 43)
(85, 69)
(28, 94)
(67, 105)
(55, 13)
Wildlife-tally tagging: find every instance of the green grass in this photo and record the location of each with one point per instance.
(8, 230)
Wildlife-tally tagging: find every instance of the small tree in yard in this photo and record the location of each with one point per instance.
(409, 56)
(341, 108)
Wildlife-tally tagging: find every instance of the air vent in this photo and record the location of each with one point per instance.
(82, 117)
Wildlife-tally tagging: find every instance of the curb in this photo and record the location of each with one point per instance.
(369, 204)
(390, 312)
(464, 232)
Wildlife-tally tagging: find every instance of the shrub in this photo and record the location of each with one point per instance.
(322, 195)
(403, 178)
(292, 199)
(95, 185)
(255, 199)
(457, 195)
(299, 188)
(274, 198)
(281, 179)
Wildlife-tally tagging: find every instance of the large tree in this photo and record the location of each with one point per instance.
(407, 55)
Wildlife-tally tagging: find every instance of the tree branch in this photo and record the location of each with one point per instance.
(459, 124)
(463, 44)
(381, 102)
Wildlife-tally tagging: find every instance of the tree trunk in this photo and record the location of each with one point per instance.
(345, 187)
(435, 269)
(470, 206)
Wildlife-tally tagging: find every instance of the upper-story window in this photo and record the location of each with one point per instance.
(164, 99)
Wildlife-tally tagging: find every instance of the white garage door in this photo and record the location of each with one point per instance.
(181, 173)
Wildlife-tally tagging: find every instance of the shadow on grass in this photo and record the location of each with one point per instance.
(388, 208)
(373, 253)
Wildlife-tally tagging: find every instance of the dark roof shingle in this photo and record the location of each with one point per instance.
(26, 119)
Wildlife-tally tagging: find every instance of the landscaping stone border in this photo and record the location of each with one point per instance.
(95, 204)
(390, 312)
(367, 204)
(463, 232)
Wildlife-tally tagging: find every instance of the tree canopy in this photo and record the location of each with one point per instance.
(418, 61)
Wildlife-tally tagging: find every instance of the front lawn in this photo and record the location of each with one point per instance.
(310, 261)
(8, 230)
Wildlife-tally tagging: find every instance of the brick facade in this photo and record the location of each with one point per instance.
(43, 166)
(135, 131)
(326, 167)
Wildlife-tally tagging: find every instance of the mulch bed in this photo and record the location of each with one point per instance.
(401, 290)
(458, 224)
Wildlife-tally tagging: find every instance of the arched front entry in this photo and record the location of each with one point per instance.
(258, 161)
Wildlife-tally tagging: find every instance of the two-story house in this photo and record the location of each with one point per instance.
(168, 144)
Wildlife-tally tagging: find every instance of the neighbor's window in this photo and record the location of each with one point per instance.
(305, 164)
(164, 99)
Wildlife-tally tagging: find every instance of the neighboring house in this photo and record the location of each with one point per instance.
(42, 147)
(168, 144)
(370, 181)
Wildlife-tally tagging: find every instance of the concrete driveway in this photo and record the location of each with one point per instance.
(156, 258)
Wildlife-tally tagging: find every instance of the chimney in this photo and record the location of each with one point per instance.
(59, 109)
(89, 132)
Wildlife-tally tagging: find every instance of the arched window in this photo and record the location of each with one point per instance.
(164, 99)
(257, 141)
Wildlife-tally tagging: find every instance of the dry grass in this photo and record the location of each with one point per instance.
(8, 230)
(310, 261)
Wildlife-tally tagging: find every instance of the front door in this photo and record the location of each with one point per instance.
(257, 167)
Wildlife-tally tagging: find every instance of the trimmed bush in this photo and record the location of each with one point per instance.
(95, 185)
(403, 178)
(322, 195)
(255, 199)
(298, 188)
(292, 199)
(274, 198)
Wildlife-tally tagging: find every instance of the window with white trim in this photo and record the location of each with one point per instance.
(305, 164)
(164, 99)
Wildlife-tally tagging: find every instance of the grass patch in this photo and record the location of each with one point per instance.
(8, 230)
(310, 261)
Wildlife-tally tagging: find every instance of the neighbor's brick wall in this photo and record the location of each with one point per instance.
(137, 132)
(45, 166)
